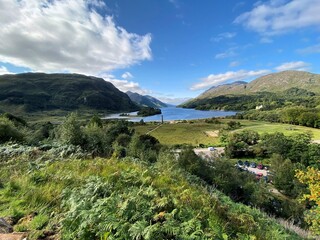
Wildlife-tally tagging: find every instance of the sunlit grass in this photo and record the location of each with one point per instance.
(287, 129)
(182, 133)
(195, 133)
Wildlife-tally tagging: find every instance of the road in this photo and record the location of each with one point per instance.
(218, 151)
(256, 170)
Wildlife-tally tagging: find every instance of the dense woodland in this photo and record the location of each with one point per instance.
(100, 180)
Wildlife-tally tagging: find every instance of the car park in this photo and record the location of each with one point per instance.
(253, 165)
(259, 176)
(260, 166)
(211, 148)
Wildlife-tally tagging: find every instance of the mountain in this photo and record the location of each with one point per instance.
(224, 89)
(146, 100)
(32, 92)
(274, 84)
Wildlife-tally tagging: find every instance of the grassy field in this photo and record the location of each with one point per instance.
(196, 133)
(182, 133)
(287, 129)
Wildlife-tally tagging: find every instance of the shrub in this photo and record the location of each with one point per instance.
(70, 131)
(39, 222)
(8, 131)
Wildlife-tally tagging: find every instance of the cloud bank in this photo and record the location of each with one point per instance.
(299, 66)
(218, 79)
(4, 70)
(280, 16)
(66, 35)
(310, 50)
(124, 84)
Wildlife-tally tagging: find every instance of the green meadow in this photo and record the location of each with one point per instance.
(198, 132)
(286, 129)
(182, 133)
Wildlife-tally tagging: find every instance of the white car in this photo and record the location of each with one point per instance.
(211, 148)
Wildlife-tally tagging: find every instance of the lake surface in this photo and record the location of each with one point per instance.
(174, 113)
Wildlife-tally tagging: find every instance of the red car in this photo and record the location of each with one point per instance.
(259, 176)
(260, 166)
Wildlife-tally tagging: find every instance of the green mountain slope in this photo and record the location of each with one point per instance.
(273, 89)
(275, 82)
(32, 92)
(145, 100)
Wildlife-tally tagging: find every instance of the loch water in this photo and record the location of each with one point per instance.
(174, 113)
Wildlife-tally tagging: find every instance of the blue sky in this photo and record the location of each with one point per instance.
(170, 49)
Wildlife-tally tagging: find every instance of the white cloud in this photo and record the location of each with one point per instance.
(238, 5)
(280, 16)
(218, 79)
(173, 100)
(66, 36)
(175, 3)
(234, 64)
(310, 49)
(222, 36)
(4, 70)
(227, 54)
(125, 85)
(266, 40)
(300, 66)
(127, 75)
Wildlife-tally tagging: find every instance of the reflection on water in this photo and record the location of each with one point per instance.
(174, 113)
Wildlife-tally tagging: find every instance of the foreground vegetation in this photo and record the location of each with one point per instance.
(101, 180)
(123, 199)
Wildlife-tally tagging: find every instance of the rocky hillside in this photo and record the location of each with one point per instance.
(33, 92)
(146, 100)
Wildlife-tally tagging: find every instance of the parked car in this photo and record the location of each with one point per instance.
(246, 163)
(253, 165)
(259, 176)
(260, 166)
(240, 163)
(211, 148)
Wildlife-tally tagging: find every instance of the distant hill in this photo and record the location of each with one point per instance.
(32, 92)
(224, 89)
(145, 100)
(276, 83)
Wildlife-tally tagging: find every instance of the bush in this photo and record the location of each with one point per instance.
(70, 131)
(95, 140)
(8, 131)
(39, 222)
(144, 147)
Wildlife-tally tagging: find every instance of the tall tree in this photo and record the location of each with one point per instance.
(311, 177)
